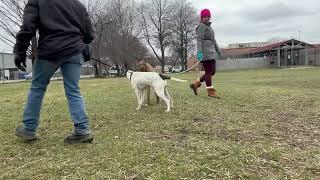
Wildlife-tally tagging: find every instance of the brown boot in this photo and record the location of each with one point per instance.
(195, 85)
(212, 92)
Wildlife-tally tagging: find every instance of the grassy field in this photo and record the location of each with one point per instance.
(266, 126)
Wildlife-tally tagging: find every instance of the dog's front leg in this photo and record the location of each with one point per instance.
(148, 95)
(138, 94)
(142, 97)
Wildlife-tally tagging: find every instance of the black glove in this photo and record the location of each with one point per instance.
(86, 53)
(20, 61)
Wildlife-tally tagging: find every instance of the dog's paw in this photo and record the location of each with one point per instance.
(167, 110)
(137, 109)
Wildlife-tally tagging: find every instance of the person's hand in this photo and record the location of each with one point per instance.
(20, 61)
(200, 56)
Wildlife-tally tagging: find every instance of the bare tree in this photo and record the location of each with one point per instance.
(11, 13)
(173, 58)
(184, 23)
(99, 18)
(11, 18)
(155, 19)
(125, 15)
(117, 34)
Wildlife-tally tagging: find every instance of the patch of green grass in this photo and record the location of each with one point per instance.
(266, 126)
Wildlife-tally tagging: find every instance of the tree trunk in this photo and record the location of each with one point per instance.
(182, 49)
(96, 70)
(162, 60)
(162, 66)
(118, 70)
(185, 58)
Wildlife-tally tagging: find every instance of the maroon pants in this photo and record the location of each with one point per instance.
(210, 70)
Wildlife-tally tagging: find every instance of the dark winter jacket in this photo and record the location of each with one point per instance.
(64, 28)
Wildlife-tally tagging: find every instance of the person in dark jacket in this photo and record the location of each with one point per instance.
(208, 52)
(64, 29)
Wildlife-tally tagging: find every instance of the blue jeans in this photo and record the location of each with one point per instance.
(43, 70)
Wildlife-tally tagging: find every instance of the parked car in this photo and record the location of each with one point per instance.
(177, 69)
(22, 75)
(112, 71)
(29, 76)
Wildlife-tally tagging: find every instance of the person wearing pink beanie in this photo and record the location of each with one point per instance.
(207, 53)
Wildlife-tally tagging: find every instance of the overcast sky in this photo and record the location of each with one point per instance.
(257, 20)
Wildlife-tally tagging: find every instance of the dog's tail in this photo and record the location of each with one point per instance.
(171, 78)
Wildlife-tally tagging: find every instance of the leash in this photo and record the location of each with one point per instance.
(98, 60)
(165, 73)
(185, 70)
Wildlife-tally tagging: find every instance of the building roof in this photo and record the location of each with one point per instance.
(236, 51)
(7, 62)
(276, 45)
(316, 45)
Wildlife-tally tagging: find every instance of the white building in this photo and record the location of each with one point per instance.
(248, 45)
(8, 70)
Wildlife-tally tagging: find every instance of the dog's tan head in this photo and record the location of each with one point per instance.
(143, 66)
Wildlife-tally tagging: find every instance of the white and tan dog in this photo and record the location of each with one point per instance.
(140, 80)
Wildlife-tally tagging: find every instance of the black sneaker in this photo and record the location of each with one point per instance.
(25, 135)
(74, 138)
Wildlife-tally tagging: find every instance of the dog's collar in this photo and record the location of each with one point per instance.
(131, 73)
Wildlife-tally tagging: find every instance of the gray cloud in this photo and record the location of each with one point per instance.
(274, 11)
(256, 20)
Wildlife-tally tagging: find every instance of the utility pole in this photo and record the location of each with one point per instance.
(299, 32)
